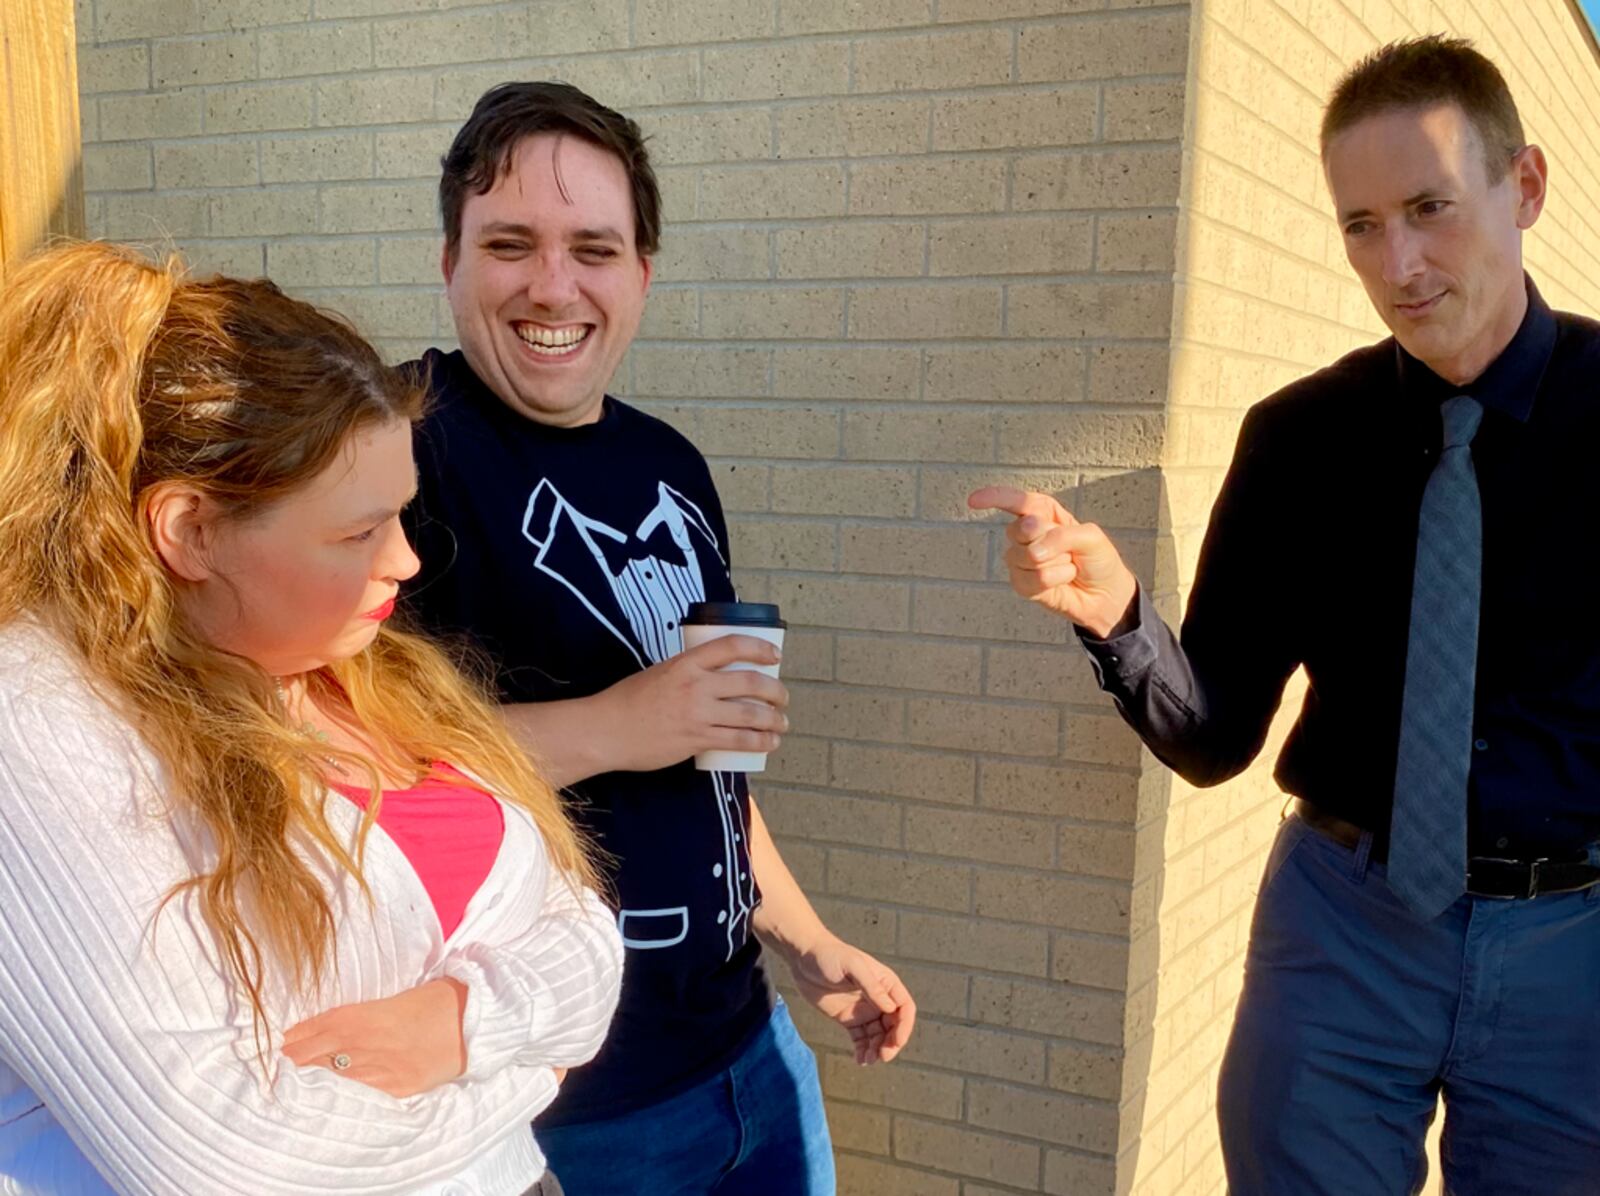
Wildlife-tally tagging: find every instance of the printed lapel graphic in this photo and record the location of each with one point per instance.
(638, 586)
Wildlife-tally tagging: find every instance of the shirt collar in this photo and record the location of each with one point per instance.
(1511, 382)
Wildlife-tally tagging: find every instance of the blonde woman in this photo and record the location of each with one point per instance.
(282, 908)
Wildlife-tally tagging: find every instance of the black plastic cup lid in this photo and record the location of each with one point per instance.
(733, 614)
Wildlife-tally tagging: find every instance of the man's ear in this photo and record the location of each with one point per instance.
(647, 267)
(447, 262)
(1531, 175)
(182, 524)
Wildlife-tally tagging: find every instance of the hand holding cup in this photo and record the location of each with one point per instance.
(691, 703)
(708, 621)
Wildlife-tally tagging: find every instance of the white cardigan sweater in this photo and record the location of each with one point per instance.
(127, 1065)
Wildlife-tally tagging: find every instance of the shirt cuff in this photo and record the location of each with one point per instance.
(1119, 659)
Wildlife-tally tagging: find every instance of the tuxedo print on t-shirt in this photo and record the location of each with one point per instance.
(638, 585)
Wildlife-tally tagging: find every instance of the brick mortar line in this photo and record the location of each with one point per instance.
(965, 916)
(1279, 253)
(1288, 143)
(1573, 88)
(1106, 342)
(754, 225)
(1042, 1144)
(863, 574)
(1255, 297)
(1256, 52)
(376, 20)
(1057, 821)
(299, 134)
(977, 920)
(865, 343)
(1201, 1077)
(888, 407)
(1100, 1103)
(1107, 884)
(697, 107)
(1255, 240)
(1299, 148)
(1246, 355)
(965, 1176)
(901, 282)
(886, 523)
(1252, 861)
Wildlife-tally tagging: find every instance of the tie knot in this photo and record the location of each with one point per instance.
(1462, 415)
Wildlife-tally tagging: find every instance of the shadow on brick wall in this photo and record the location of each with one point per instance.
(1016, 886)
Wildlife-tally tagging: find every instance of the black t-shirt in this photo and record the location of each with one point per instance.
(569, 555)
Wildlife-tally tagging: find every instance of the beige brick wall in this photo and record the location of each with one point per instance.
(912, 246)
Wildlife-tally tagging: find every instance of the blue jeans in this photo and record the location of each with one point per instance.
(1355, 1017)
(754, 1129)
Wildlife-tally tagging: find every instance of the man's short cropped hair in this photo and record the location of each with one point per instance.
(1422, 72)
(507, 114)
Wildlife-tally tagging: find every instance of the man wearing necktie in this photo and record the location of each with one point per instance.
(1413, 525)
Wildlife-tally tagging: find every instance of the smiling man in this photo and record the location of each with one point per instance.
(1413, 525)
(566, 533)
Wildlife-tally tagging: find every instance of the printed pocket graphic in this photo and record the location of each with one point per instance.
(652, 929)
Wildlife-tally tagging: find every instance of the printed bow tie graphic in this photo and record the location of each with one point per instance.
(619, 554)
(605, 568)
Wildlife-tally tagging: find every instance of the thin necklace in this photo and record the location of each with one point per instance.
(307, 728)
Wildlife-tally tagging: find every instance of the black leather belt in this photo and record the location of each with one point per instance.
(1487, 876)
(1513, 879)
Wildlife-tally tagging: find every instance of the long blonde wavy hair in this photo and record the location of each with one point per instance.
(117, 375)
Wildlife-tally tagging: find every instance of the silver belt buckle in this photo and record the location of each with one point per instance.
(1533, 875)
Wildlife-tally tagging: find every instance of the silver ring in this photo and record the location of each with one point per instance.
(341, 1061)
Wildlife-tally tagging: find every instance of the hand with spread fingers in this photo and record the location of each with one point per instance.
(861, 994)
(1069, 567)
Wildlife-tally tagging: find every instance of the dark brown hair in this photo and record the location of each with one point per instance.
(506, 115)
(1422, 72)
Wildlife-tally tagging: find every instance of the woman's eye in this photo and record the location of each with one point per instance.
(363, 537)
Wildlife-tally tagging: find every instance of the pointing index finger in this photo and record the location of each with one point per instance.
(1043, 510)
(1001, 498)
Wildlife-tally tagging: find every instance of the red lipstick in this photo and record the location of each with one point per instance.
(382, 613)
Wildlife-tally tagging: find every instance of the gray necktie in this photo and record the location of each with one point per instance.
(1428, 833)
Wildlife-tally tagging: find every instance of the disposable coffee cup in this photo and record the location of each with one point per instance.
(710, 620)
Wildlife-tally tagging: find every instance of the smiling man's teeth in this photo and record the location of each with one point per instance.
(552, 341)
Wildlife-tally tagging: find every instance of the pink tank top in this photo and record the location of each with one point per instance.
(451, 835)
